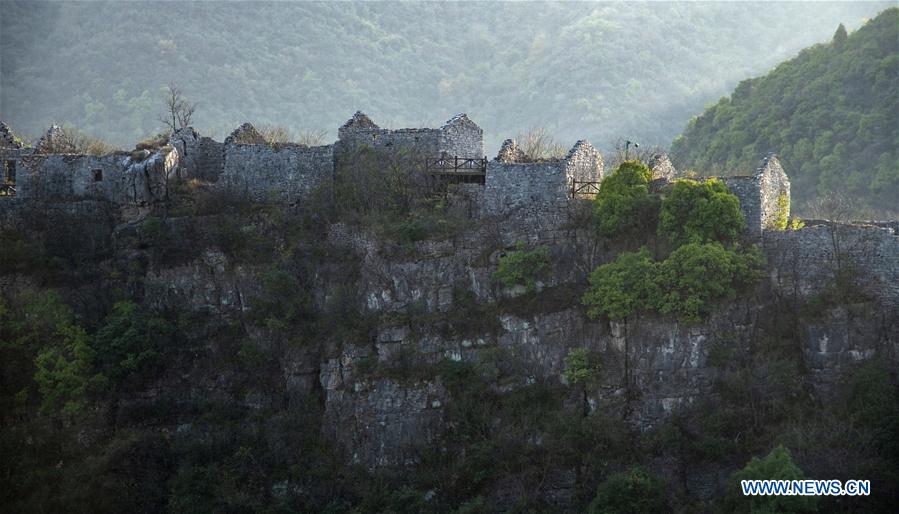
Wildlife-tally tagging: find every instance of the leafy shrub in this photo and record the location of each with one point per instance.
(623, 203)
(777, 465)
(781, 218)
(579, 367)
(695, 275)
(632, 492)
(684, 284)
(130, 344)
(522, 268)
(700, 212)
(284, 302)
(873, 403)
(65, 371)
(623, 287)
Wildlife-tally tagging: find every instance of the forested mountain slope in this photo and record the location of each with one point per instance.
(602, 71)
(831, 113)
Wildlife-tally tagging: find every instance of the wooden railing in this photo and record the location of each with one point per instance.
(456, 165)
(584, 188)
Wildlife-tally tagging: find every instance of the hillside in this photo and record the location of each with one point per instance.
(830, 113)
(601, 71)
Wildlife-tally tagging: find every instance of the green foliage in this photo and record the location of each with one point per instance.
(632, 492)
(369, 38)
(284, 301)
(130, 344)
(623, 204)
(623, 287)
(579, 366)
(695, 275)
(700, 212)
(781, 218)
(522, 268)
(777, 465)
(19, 254)
(873, 403)
(685, 284)
(829, 113)
(43, 328)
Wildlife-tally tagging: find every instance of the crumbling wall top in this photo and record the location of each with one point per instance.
(661, 167)
(461, 120)
(55, 141)
(8, 139)
(359, 120)
(510, 152)
(245, 134)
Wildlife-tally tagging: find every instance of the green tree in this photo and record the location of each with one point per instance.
(579, 367)
(623, 204)
(695, 275)
(130, 343)
(42, 344)
(840, 37)
(632, 492)
(823, 111)
(65, 371)
(623, 287)
(700, 212)
(777, 465)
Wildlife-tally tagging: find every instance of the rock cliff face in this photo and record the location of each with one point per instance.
(383, 401)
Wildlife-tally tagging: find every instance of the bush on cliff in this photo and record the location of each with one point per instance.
(623, 287)
(700, 212)
(130, 344)
(623, 204)
(522, 268)
(684, 285)
(695, 275)
(634, 491)
(777, 465)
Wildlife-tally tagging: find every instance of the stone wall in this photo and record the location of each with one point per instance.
(287, 173)
(540, 192)
(803, 262)
(746, 188)
(773, 184)
(759, 194)
(584, 163)
(459, 137)
(113, 177)
(202, 158)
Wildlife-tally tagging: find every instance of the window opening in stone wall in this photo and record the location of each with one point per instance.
(98, 175)
(8, 185)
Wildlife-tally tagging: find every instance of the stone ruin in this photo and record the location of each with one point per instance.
(246, 166)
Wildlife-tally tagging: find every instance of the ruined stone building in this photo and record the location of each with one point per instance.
(539, 194)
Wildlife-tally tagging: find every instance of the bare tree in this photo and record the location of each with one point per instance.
(311, 137)
(275, 134)
(177, 112)
(537, 145)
